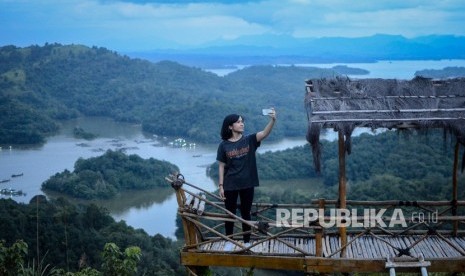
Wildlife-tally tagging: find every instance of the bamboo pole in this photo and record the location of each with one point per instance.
(342, 189)
(326, 112)
(387, 97)
(454, 186)
(319, 232)
(314, 203)
(389, 120)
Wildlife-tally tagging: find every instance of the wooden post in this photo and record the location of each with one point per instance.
(190, 234)
(454, 186)
(188, 227)
(342, 188)
(319, 231)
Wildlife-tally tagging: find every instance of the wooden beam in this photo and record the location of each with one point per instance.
(312, 264)
(236, 260)
(342, 188)
(386, 97)
(454, 185)
(329, 112)
(387, 120)
(319, 232)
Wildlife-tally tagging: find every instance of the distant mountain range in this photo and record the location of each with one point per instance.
(274, 49)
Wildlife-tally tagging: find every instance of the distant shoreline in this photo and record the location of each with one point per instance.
(388, 69)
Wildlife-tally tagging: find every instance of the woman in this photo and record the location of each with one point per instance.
(238, 168)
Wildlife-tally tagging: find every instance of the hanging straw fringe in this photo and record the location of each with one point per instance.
(343, 104)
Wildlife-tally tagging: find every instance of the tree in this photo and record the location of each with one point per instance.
(11, 258)
(118, 263)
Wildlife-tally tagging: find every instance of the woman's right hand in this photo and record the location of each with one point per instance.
(221, 192)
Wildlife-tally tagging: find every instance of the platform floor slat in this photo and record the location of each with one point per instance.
(365, 247)
(459, 242)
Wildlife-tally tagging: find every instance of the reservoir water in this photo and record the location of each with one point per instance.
(387, 69)
(155, 210)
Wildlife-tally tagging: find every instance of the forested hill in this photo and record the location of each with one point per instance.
(40, 85)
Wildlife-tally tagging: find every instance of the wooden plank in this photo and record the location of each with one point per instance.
(331, 246)
(324, 241)
(383, 248)
(445, 248)
(395, 242)
(378, 248)
(424, 249)
(361, 246)
(416, 247)
(391, 250)
(364, 246)
(312, 246)
(454, 185)
(272, 247)
(336, 245)
(206, 246)
(442, 249)
(359, 249)
(431, 248)
(310, 264)
(408, 244)
(258, 247)
(237, 260)
(349, 111)
(433, 243)
(349, 253)
(324, 265)
(459, 242)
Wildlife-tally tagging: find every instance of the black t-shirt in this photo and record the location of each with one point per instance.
(240, 170)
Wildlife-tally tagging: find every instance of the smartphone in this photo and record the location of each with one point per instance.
(266, 111)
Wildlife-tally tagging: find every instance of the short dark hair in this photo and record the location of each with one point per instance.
(228, 121)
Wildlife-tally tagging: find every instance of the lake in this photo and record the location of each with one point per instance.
(155, 210)
(395, 69)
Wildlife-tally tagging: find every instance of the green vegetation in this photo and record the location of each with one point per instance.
(21, 124)
(46, 236)
(448, 72)
(41, 85)
(107, 175)
(80, 133)
(346, 70)
(115, 262)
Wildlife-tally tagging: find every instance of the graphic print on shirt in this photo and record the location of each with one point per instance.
(238, 153)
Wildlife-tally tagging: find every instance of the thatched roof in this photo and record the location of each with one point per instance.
(344, 104)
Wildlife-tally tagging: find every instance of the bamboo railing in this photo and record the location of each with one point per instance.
(424, 225)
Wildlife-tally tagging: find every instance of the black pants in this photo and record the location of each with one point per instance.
(246, 197)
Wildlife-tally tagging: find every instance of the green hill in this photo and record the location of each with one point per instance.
(109, 174)
(41, 85)
(71, 237)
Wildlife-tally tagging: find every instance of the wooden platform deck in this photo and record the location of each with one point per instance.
(366, 247)
(364, 254)
(440, 246)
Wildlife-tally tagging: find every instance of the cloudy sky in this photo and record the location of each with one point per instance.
(131, 25)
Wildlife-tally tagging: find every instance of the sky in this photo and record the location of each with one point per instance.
(127, 25)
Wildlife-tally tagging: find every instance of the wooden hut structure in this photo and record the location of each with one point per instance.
(388, 237)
